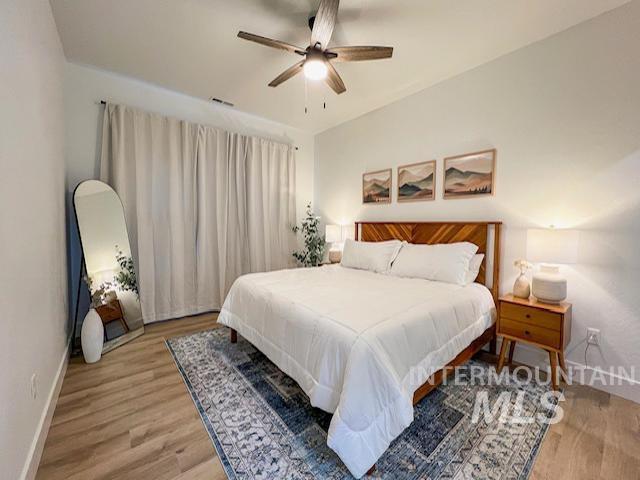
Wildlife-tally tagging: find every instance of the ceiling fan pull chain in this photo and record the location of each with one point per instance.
(306, 96)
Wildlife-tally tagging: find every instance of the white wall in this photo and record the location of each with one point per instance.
(86, 86)
(33, 281)
(564, 115)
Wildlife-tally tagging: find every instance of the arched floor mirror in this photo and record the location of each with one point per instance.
(109, 271)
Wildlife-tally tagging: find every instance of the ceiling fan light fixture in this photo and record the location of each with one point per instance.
(317, 62)
(315, 69)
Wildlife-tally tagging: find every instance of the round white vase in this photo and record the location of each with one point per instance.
(549, 286)
(521, 287)
(92, 337)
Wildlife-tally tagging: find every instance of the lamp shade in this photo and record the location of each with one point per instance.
(333, 233)
(550, 245)
(102, 276)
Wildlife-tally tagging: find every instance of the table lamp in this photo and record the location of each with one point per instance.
(550, 247)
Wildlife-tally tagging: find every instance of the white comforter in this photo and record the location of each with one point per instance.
(358, 343)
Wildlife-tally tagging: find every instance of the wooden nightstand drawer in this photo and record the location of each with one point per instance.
(109, 312)
(530, 321)
(532, 316)
(531, 333)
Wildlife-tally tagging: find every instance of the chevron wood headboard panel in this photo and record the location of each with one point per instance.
(441, 232)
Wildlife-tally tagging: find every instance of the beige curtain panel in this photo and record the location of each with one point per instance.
(203, 206)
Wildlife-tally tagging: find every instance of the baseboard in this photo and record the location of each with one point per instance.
(37, 446)
(616, 385)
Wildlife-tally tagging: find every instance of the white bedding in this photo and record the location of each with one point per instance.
(358, 343)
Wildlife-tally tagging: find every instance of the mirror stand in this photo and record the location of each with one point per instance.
(76, 349)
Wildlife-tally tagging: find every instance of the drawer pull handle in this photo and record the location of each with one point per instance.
(527, 332)
(528, 316)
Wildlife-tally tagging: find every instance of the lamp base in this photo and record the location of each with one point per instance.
(547, 302)
(549, 286)
(335, 256)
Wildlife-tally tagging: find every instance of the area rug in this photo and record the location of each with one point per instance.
(263, 427)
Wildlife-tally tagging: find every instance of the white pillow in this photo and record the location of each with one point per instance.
(474, 268)
(446, 262)
(373, 256)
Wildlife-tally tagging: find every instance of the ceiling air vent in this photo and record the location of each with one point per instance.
(222, 102)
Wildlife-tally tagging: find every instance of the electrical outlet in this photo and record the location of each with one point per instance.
(593, 336)
(34, 386)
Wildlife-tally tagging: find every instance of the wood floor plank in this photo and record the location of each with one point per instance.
(209, 470)
(621, 454)
(130, 416)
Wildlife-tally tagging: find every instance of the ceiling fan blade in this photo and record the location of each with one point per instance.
(357, 54)
(334, 80)
(287, 74)
(324, 23)
(269, 42)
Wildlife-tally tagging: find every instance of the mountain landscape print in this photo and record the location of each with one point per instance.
(416, 181)
(469, 175)
(376, 187)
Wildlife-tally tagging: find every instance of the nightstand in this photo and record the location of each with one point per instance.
(540, 324)
(111, 312)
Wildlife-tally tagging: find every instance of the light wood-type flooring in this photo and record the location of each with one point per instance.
(130, 416)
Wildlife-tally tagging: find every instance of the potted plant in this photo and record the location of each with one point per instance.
(314, 244)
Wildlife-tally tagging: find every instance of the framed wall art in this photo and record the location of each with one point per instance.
(417, 182)
(376, 187)
(470, 175)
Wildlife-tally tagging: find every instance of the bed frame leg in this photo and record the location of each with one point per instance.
(234, 336)
(493, 346)
(371, 470)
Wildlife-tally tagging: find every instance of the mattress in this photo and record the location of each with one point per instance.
(358, 343)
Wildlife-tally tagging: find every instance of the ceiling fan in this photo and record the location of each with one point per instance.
(316, 64)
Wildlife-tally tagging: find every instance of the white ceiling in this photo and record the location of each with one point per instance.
(191, 46)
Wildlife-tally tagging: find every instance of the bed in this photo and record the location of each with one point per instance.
(367, 346)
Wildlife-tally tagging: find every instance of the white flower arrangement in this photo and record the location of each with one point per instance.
(523, 265)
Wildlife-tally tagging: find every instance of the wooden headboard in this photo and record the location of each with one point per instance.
(431, 233)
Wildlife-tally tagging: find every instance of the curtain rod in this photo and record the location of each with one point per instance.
(102, 102)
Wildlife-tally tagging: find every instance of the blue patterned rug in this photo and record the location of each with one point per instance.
(263, 427)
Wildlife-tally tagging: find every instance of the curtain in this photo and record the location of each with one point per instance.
(203, 206)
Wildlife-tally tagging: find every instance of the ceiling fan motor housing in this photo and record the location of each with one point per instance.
(315, 54)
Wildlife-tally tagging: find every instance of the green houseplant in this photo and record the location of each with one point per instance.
(126, 277)
(314, 244)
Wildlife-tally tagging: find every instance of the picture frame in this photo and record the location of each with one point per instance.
(470, 175)
(416, 182)
(376, 186)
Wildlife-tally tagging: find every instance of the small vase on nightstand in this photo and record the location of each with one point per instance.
(522, 287)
